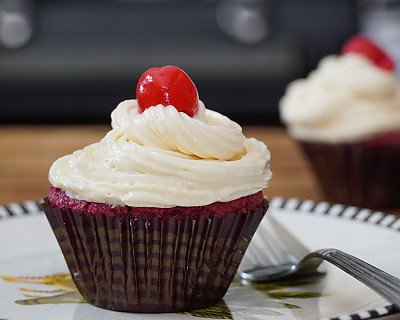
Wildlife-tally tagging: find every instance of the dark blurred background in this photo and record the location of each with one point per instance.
(73, 61)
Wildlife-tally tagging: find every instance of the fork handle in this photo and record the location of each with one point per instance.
(383, 283)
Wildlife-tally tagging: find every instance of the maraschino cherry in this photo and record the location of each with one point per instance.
(168, 85)
(363, 45)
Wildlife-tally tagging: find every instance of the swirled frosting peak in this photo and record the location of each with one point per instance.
(347, 98)
(164, 158)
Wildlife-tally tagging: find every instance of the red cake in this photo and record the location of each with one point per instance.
(60, 199)
(157, 216)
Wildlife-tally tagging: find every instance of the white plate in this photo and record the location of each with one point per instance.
(35, 284)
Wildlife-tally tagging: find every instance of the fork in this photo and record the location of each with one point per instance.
(290, 258)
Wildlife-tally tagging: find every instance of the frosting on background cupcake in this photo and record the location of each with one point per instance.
(164, 158)
(346, 99)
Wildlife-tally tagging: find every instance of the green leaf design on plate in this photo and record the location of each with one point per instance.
(70, 297)
(218, 311)
(279, 290)
(252, 301)
(293, 294)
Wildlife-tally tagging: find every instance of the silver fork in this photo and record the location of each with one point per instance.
(275, 254)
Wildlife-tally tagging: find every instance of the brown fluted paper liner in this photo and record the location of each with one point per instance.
(152, 265)
(357, 174)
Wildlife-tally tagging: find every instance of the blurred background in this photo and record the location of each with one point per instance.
(73, 61)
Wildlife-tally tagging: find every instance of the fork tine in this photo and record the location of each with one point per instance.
(259, 252)
(294, 247)
(272, 244)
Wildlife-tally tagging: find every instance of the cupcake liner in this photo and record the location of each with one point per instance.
(152, 265)
(361, 174)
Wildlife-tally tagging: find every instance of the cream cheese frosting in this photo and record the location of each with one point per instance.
(346, 99)
(164, 158)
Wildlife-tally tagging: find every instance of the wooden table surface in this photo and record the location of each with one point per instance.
(26, 153)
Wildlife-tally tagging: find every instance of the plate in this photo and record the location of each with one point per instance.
(35, 283)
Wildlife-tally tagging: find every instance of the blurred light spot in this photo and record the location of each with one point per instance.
(244, 21)
(15, 30)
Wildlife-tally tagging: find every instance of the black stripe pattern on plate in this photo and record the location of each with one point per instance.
(20, 209)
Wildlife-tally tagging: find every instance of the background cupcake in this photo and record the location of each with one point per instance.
(346, 116)
(156, 217)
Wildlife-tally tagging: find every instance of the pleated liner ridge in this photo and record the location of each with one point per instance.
(152, 265)
(357, 173)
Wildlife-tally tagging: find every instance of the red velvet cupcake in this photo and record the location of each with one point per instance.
(346, 117)
(156, 217)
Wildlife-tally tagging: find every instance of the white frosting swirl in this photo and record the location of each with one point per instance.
(164, 158)
(345, 99)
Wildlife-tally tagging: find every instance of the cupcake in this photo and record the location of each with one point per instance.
(346, 116)
(156, 216)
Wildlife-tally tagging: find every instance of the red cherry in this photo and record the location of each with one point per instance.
(365, 46)
(168, 85)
